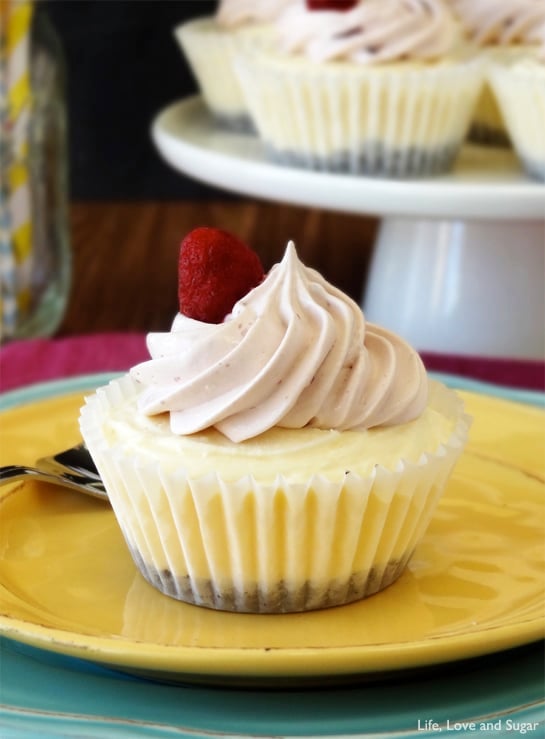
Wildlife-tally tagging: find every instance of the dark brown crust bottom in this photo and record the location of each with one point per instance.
(236, 123)
(374, 160)
(535, 169)
(481, 134)
(279, 599)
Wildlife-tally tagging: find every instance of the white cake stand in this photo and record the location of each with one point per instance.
(459, 263)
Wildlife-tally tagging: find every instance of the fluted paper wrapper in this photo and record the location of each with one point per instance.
(352, 118)
(521, 97)
(210, 53)
(276, 547)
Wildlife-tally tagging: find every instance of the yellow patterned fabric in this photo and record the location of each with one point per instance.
(16, 245)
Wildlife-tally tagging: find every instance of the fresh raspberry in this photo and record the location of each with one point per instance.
(331, 4)
(215, 270)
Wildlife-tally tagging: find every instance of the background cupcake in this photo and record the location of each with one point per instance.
(209, 44)
(376, 88)
(287, 458)
(519, 87)
(502, 31)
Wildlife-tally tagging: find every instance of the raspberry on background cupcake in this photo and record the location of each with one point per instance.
(286, 457)
(209, 44)
(364, 87)
(502, 31)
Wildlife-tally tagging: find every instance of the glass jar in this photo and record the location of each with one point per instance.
(35, 265)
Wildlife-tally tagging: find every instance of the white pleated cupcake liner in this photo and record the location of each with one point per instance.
(376, 121)
(521, 97)
(269, 547)
(210, 52)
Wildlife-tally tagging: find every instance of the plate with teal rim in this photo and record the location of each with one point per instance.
(45, 692)
(44, 695)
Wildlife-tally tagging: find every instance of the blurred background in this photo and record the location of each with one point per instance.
(123, 67)
(128, 209)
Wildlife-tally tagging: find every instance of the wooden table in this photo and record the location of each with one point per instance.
(124, 276)
(124, 273)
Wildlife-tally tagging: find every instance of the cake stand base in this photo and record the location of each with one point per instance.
(461, 287)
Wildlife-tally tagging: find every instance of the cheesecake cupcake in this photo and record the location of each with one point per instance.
(364, 87)
(209, 44)
(503, 33)
(519, 87)
(285, 457)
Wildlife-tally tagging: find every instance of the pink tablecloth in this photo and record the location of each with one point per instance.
(37, 360)
(27, 362)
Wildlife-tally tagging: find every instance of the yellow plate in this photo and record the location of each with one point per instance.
(475, 585)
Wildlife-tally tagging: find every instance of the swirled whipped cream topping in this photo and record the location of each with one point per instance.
(371, 32)
(234, 13)
(493, 22)
(294, 352)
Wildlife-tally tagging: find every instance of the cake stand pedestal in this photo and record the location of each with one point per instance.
(464, 287)
(459, 262)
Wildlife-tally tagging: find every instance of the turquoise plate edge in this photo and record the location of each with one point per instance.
(499, 696)
(185, 711)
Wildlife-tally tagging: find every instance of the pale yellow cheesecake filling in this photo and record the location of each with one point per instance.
(297, 454)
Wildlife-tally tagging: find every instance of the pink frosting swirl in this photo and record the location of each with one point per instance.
(234, 13)
(295, 352)
(373, 31)
(494, 22)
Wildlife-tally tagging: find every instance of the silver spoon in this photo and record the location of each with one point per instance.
(73, 468)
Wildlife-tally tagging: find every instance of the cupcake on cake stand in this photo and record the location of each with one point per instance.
(459, 262)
